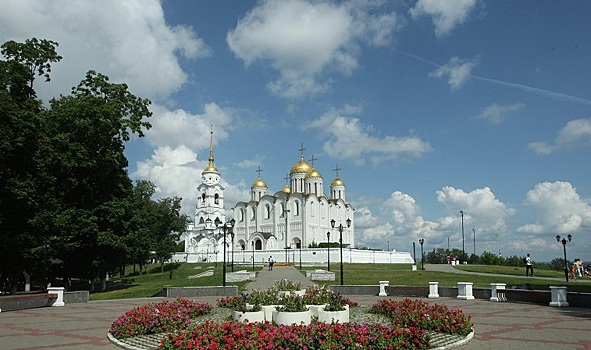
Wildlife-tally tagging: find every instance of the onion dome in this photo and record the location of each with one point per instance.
(259, 183)
(286, 189)
(314, 173)
(301, 167)
(337, 182)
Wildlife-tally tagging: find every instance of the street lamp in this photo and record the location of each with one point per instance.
(563, 241)
(332, 223)
(285, 213)
(252, 255)
(463, 246)
(232, 235)
(414, 252)
(300, 254)
(421, 241)
(227, 226)
(328, 248)
(473, 230)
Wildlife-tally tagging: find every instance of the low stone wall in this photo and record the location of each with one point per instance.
(356, 290)
(191, 292)
(77, 297)
(320, 275)
(26, 301)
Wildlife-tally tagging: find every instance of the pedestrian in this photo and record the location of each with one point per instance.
(271, 262)
(529, 267)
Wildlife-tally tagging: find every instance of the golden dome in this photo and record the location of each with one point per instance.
(314, 173)
(337, 182)
(286, 189)
(259, 183)
(210, 168)
(301, 167)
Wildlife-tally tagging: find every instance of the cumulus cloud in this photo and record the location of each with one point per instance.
(348, 138)
(107, 36)
(457, 72)
(302, 39)
(559, 207)
(496, 113)
(482, 211)
(576, 133)
(446, 14)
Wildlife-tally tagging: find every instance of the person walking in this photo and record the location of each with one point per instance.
(529, 267)
(271, 262)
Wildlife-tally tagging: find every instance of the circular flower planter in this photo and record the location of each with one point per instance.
(333, 316)
(268, 310)
(248, 316)
(289, 318)
(315, 308)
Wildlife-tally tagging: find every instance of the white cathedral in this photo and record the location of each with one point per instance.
(286, 225)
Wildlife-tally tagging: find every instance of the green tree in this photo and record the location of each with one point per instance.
(20, 120)
(84, 174)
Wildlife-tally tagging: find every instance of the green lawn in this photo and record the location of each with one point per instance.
(151, 283)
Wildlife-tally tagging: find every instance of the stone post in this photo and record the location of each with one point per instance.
(60, 295)
(558, 296)
(383, 285)
(465, 291)
(433, 290)
(497, 292)
(414, 267)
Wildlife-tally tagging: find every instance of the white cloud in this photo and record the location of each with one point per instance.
(129, 41)
(483, 212)
(348, 138)
(559, 207)
(457, 71)
(497, 113)
(181, 128)
(303, 39)
(446, 14)
(576, 133)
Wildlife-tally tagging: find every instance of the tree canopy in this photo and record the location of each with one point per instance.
(67, 204)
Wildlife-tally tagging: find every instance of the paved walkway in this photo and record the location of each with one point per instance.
(507, 326)
(266, 279)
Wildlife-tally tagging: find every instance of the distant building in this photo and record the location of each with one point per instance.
(298, 216)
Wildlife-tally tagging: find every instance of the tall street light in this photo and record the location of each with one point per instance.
(332, 223)
(252, 255)
(328, 248)
(300, 254)
(232, 236)
(463, 246)
(563, 241)
(414, 252)
(227, 226)
(474, 231)
(285, 213)
(421, 241)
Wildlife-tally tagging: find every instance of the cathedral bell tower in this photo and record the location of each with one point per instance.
(210, 201)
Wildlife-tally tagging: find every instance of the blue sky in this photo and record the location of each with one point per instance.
(428, 107)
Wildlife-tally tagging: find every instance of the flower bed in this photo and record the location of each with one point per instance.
(165, 316)
(416, 313)
(234, 335)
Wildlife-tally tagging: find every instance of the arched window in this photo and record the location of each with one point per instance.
(267, 211)
(216, 199)
(201, 221)
(296, 208)
(203, 197)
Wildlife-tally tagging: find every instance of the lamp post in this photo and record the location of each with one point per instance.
(332, 224)
(414, 252)
(463, 246)
(252, 255)
(328, 248)
(46, 244)
(227, 226)
(421, 241)
(285, 213)
(563, 241)
(232, 236)
(300, 254)
(474, 231)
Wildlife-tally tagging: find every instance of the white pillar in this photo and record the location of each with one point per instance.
(433, 290)
(465, 291)
(414, 267)
(383, 285)
(558, 296)
(60, 295)
(497, 291)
